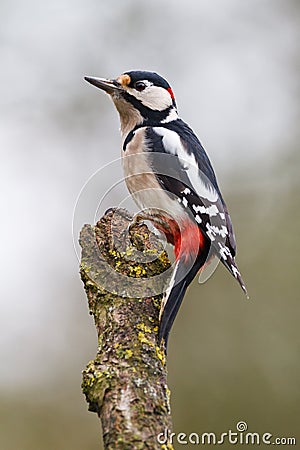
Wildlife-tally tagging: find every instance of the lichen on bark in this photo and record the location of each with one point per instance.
(126, 383)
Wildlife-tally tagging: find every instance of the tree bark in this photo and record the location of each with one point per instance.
(126, 383)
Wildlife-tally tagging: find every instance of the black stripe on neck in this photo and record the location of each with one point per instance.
(130, 136)
(148, 123)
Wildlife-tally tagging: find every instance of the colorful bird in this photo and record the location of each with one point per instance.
(170, 177)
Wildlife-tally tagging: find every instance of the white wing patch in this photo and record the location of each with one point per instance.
(209, 213)
(172, 143)
(210, 210)
(224, 251)
(215, 230)
(185, 202)
(235, 271)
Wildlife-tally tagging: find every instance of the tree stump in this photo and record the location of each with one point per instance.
(123, 270)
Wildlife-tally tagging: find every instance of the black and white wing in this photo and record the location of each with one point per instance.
(185, 171)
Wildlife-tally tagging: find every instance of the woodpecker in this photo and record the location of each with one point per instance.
(170, 177)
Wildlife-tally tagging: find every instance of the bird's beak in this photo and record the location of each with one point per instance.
(109, 86)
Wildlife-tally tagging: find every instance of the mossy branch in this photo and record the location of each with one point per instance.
(126, 383)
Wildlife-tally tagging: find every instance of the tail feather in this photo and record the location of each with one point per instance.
(231, 265)
(170, 310)
(182, 277)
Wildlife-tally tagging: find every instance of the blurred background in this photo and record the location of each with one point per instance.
(234, 68)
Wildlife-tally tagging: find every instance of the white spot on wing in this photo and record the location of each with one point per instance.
(184, 202)
(200, 209)
(235, 271)
(210, 235)
(210, 210)
(224, 251)
(216, 230)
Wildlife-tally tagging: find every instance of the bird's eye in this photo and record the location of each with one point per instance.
(139, 86)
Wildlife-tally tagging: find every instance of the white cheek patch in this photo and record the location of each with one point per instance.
(153, 97)
(173, 145)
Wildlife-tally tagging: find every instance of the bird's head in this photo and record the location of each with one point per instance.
(140, 97)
